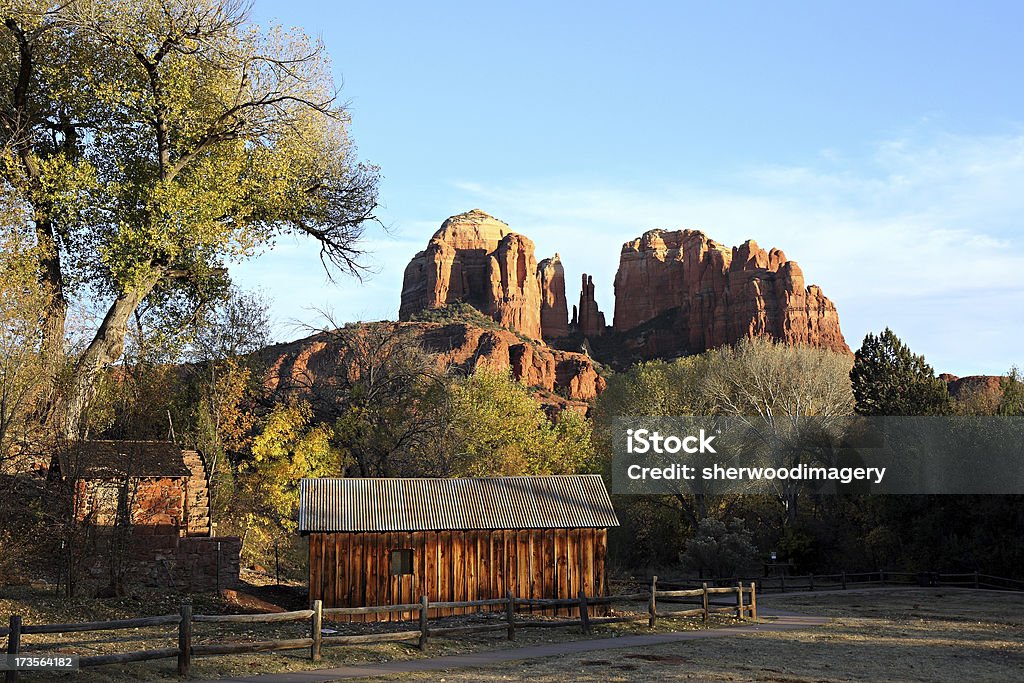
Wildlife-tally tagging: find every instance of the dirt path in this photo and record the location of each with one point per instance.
(782, 621)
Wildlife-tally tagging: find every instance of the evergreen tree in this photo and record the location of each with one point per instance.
(889, 379)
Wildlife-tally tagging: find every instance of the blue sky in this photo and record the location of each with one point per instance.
(880, 145)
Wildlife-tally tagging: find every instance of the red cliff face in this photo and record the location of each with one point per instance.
(554, 313)
(676, 292)
(476, 259)
(680, 292)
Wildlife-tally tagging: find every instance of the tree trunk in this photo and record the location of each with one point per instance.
(105, 348)
(21, 123)
(55, 315)
(790, 497)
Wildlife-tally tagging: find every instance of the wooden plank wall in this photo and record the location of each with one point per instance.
(353, 569)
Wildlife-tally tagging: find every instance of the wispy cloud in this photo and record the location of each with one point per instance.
(923, 236)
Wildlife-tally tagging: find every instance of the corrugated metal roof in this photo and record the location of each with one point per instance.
(576, 501)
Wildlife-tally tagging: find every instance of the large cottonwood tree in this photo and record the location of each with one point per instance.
(153, 142)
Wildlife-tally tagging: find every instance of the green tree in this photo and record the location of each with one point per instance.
(719, 549)
(496, 428)
(225, 383)
(287, 446)
(153, 142)
(654, 388)
(889, 379)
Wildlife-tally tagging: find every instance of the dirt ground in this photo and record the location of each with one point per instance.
(43, 607)
(894, 635)
(933, 635)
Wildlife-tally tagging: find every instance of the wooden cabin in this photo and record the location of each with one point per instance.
(391, 541)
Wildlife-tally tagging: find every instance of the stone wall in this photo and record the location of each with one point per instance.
(156, 503)
(166, 561)
(185, 563)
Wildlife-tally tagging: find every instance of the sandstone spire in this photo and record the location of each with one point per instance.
(554, 312)
(591, 320)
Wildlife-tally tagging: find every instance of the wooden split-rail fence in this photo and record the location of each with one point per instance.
(699, 602)
(847, 580)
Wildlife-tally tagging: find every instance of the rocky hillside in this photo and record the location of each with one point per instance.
(557, 378)
(978, 393)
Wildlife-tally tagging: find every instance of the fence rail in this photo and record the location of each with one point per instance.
(185, 620)
(274, 617)
(702, 600)
(845, 580)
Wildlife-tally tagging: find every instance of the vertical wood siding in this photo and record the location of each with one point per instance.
(354, 569)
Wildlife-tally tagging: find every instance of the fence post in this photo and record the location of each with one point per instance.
(705, 603)
(510, 615)
(782, 582)
(881, 577)
(13, 645)
(753, 601)
(277, 565)
(424, 607)
(185, 640)
(844, 580)
(739, 600)
(652, 605)
(977, 583)
(584, 613)
(810, 583)
(316, 630)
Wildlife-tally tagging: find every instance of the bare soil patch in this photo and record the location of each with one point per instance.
(928, 635)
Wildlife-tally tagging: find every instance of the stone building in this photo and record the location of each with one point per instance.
(151, 499)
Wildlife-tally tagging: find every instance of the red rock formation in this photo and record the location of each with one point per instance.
(475, 258)
(981, 394)
(680, 292)
(554, 313)
(589, 320)
(677, 292)
(515, 288)
(312, 364)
